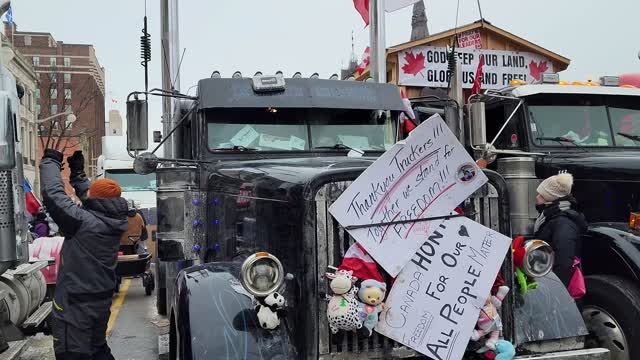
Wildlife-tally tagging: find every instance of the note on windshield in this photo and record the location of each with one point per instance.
(275, 142)
(245, 136)
(356, 142)
(297, 143)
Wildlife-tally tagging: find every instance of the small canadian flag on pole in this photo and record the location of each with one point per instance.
(365, 61)
(408, 122)
(362, 7)
(114, 101)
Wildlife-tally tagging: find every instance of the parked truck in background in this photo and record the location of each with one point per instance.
(528, 132)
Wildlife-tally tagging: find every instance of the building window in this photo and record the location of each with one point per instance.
(67, 108)
(37, 109)
(37, 94)
(36, 61)
(67, 78)
(32, 155)
(67, 94)
(67, 61)
(30, 100)
(53, 93)
(54, 110)
(52, 61)
(27, 40)
(54, 78)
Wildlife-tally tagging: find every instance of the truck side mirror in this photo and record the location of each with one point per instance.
(7, 135)
(477, 124)
(157, 136)
(137, 125)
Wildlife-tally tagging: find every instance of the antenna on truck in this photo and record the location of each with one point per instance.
(145, 51)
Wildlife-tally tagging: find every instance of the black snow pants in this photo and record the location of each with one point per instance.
(80, 326)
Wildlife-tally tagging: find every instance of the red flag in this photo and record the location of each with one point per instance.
(408, 123)
(362, 265)
(477, 82)
(365, 61)
(362, 7)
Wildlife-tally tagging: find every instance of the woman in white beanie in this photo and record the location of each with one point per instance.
(560, 223)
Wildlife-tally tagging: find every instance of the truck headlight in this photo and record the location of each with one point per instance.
(262, 274)
(538, 258)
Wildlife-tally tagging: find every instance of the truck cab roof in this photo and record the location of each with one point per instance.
(299, 93)
(535, 89)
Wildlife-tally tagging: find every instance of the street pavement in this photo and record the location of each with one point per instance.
(133, 330)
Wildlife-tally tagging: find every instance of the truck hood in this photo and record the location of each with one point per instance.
(620, 165)
(277, 178)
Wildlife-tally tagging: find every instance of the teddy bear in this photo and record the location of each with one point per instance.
(371, 295)
(342, 311)
(270, 310)
(489, 322)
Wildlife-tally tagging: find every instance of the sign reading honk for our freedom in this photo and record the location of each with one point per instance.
(428, 175)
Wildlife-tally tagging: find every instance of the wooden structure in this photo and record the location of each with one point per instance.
(492, 37)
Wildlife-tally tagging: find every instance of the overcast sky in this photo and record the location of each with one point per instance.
(600, 37)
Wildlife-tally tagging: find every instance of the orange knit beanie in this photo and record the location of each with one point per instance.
(104, 188)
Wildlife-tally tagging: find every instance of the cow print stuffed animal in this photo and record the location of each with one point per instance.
(342, 311)
(270, 310)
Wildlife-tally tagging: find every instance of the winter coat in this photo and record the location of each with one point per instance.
(136, 228)
(92, 233)
(563, 231)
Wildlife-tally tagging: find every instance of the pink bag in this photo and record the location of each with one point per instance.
(576, 287)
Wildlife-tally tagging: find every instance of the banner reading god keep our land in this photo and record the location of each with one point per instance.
(427, 176)
(435, 301)
(428, 66)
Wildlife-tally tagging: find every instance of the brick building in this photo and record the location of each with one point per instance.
(70, 80)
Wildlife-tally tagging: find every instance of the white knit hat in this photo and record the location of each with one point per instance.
(555, 187)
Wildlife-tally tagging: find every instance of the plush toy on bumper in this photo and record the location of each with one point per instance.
(342, 311)
(489, 323)
(371, 295)
(270, 310)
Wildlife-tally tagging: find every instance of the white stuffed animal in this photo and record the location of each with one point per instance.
(270, 310)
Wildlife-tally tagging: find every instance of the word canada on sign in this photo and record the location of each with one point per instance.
(435, 301)
(428, 66)
(428, 176)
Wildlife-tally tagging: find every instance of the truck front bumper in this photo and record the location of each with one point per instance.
(584, 354)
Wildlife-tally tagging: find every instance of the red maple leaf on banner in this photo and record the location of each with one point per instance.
(415, 63)
(535, 70)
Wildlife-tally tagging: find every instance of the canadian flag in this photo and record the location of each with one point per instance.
(365, 61)
(408, 122)
(362, 7)
(363, 266)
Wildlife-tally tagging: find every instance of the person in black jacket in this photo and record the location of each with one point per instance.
(560, 223)
(86, 276)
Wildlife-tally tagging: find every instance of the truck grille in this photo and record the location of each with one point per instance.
(332, 243)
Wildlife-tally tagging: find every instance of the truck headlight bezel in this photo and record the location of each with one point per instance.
(261, 274)
(538, 259)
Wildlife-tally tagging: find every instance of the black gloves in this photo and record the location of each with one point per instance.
(76, 162)
(53, 154)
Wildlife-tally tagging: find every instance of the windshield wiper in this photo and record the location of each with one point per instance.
(340, 147)
(562, 140)
(336, 147)
(630, 136)
(236, 148)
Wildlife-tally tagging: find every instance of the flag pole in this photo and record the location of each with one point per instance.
(377, 38)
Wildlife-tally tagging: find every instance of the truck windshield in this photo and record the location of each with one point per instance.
(594, 121)
(298, 129)
(130, 181)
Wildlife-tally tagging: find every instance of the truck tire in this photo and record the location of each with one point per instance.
(611, 311)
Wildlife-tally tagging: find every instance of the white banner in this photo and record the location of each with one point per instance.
(436, 300)
(427, 66)
(427, 176)
(394, 5)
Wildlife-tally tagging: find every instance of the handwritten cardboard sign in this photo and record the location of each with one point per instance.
(435, 301)
(470, 38)
(428, 175)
